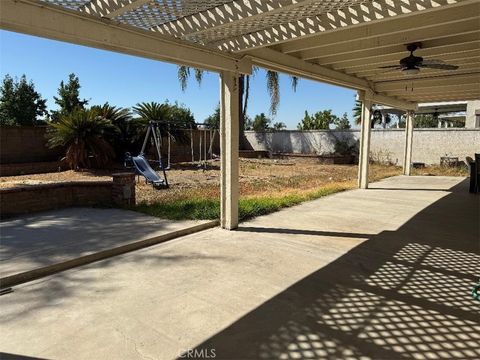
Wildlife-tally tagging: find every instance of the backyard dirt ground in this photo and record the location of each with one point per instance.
(258, 177)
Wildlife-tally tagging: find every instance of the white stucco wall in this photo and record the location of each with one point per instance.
(386, 145)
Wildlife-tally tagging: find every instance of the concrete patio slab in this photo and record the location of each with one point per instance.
(37, 240)
(374, 274)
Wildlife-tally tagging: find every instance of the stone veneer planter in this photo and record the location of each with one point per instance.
(32, 198)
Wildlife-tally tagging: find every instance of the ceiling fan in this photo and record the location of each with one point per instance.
(412, 64)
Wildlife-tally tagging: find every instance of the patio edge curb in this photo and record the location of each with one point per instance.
(23, 277)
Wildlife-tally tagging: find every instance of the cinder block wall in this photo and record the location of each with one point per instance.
(182, 151)
(19, 145)
(26, 144)
(386, 145)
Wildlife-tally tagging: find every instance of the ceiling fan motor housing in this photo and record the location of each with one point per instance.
(411, 61)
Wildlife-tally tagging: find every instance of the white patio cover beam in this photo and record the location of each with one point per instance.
(450, 53)
(440, 82)
(446, 97)
(394, 102)
(40, 19)
(277, 61)
(466, 32)
(467, 66)
(436, 91)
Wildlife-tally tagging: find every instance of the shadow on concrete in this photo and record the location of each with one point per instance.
(8, 356)
(69, 284)
(273, 230)
(42, 239)
(406, 189)
(399, 295)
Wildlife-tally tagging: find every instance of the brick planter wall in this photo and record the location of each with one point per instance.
(32, 198)
(27, 199)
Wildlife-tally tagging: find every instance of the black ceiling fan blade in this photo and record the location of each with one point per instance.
(433, 61)
(390, 67)
(440, 66)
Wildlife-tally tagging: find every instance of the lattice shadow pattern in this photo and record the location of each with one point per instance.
(416, 304)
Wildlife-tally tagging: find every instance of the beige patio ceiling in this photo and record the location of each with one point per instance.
(342, 42)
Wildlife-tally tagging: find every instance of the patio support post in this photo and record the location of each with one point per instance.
(407, 160)
(229, 133)
(366, 129)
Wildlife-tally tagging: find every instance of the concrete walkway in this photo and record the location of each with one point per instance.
(384, 273)
(33, 241)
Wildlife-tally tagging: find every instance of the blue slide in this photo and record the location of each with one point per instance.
(143, 167)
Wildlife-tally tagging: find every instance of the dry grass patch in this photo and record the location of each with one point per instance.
(437, 170)
(265, 186)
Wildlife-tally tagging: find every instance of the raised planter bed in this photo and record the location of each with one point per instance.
(321, 159)
(29, 168)
(22, 199)
(254, 154)
(41, 197)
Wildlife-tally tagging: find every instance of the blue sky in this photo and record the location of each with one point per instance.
(124, 80)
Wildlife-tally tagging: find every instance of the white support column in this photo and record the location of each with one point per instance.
(366, 129)
(407, 159)
(229, 132)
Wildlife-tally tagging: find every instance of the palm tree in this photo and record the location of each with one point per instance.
(83, 133)
(377, 116)
(152, 111)
(115, 114)
(273, 88)
(127, 138)
(357, 112)
(172, 119)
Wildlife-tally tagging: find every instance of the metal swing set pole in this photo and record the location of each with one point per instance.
(153, 128)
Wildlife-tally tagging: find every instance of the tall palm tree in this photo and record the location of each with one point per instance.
(128, 136)
(357, 112)
(169, 121)
(114, 114)
(376, 118)
(152, 111)
(273, 88)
